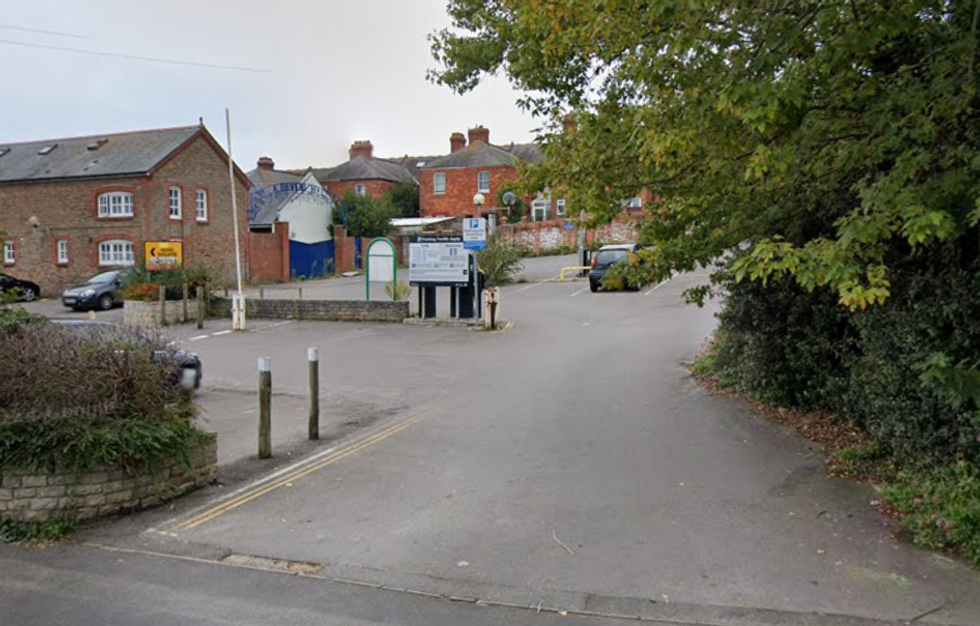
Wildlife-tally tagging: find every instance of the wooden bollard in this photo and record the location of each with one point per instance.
(186, 298)
(313, 357)
(200, 307)
(265, 407)
(163, 304)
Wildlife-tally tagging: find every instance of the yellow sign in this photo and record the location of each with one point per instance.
(163, 255)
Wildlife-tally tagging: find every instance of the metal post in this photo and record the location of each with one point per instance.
(475, 277)
(200, 307)
(163, 305)
(300, 293)
(238, 322)
(261, 293)
(581, 241)
(265, 407)
(313, 356)
(186, 297)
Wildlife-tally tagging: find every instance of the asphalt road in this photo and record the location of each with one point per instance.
(566, 462)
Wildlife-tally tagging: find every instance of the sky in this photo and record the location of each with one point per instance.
(329, 72)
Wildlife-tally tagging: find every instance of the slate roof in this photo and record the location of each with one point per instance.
(260, 177)
(363, 168)
(134, 153)
(481, 154)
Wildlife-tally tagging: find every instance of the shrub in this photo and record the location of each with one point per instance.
(142, 284)
(71, 401)
(397, 290)
(500, 261)
(144, 292)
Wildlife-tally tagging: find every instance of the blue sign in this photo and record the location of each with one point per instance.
(569, 226)
(474, 233)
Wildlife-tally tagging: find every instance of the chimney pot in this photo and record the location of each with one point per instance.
(361, 148)
(457, 142)
(266, 163)
(479, 133)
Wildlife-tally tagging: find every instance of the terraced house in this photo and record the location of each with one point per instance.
(71, 207)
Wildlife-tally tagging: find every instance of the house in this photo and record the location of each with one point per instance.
(290, 224)
(449, 183)
(72, 207)
(365, 174)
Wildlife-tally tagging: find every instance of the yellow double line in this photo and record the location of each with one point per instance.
(260, 490)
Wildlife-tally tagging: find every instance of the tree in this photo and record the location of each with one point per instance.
(823, 141)
(405, 196)
(365, 216)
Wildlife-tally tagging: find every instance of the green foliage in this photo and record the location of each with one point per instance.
(366, 216)
(12, 318)
(860, 462)
(823, 142)
(40, 532)
(940, 507)
(500, 261)
(398, 290)
(142, 284)
(405, 197)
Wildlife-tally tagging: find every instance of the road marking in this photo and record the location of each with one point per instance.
(221, 332)
(296, 471)
(198, 337)
(658, 286)
(586, 323)
(531, 286)
(582, 290)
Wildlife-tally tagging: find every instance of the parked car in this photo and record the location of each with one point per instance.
(27, 291)
(605, 258)
(191, 370)
(102, 291)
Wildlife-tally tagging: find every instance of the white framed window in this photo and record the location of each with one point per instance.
(560, 207)
(116, 204)
(173, 193)
(483, 182)
(201, 199)
(635, 203)
(63, 252)
(117, 252)
(359, 189)
(9, 255)
(539, 208)
(439, 182)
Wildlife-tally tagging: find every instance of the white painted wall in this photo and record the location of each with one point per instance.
(310, 217)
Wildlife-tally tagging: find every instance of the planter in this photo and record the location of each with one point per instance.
(39, 496)
(147, 314)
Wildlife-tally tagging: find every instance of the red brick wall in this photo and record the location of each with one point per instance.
(68, 211)
(268, 255)
(461, 186)
(373, 188)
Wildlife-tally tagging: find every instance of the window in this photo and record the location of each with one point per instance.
(560, 207)
(63, 252)
(116, 204)
(539, 208)
(175, 202)
(202, 205)
(8, 253)
(439, 182)
(635, 203)
(117, 252)
(359, 189)
(483, 182)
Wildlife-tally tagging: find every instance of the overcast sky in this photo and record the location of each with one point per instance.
(335, 71)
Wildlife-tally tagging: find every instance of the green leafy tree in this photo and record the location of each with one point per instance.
(405, 196)
(825, 142)
(366, 216)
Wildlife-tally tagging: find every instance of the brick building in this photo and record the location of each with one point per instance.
(73, 207)
(449, 183)
(366, 174)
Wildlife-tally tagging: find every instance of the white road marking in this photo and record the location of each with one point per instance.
(658, 286)
(198, 337)
(531, 286)
(586, 323)
(222, 332)
(582, 290)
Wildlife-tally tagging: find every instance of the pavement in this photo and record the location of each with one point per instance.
(568, 462)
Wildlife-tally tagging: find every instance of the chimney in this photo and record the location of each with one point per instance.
(361, 148)
(266, 163)
(479, 133)
(456, 142)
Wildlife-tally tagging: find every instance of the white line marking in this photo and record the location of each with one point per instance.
(583, 289)
(659, 285)
(531, 286)
(221, 332)
(198, 337)
(586, 323)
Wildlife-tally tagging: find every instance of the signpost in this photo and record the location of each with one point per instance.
(474, 233)
(163, 255)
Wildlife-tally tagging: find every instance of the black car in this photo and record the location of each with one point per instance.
(605, 258)
(102, 291)
(191, 371)
(25, 289)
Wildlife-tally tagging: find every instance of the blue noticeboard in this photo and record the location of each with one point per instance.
(474, 233)
(569, 226)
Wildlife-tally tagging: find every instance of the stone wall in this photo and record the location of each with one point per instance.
(552, 234)
(319, 310)
(39, 496)
(147, 314)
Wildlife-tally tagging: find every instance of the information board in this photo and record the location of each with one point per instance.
(438, 261)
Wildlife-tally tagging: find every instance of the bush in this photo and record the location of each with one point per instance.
(365, 216)
(144, 285)
(500, 261)
(71, 401)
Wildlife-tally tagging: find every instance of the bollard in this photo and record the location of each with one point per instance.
(163, 305)
(261, 293)
(313, 356)
(265, 407)
(186, 298)
(200, 307)
(300, 293)
(226, 291)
